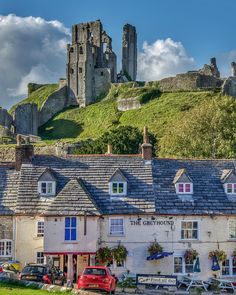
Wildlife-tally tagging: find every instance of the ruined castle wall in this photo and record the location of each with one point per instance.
(5, 118)
(229, 87)
(188, 82)
(26, 119)
(129, 51)
(54, 103)
(102, 76)
(125, 104)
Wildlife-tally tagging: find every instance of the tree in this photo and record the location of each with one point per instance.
(124, 140)
(206, 131)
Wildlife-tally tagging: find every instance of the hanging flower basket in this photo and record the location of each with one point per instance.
(119, 253)
(104, 255)
(190, 255)
(219, 254)
(155, 248)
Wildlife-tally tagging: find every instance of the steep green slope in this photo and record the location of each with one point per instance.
(39, 96)
(94, 120)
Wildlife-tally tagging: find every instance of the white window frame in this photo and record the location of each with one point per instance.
(183, 265)
(39, 258)
(5, 241)
(114, 265)
(233, 188)
(40, 231)
(230, 258)
(47, 183)
(198, 230)
(184, 188)
(124, 193)
(116, 234)
(229, 221)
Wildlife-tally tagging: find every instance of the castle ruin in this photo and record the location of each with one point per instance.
(129, 52)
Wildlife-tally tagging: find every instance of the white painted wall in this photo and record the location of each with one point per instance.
(27, 243)
(54, 235)
(213, 233)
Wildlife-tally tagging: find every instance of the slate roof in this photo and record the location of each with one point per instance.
(208, 192)
(73, 199)
(83, 185)
(8, 188)
(94, 172)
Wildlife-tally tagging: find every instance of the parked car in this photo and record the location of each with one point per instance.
(42, 273)
(12, 265)
(97, 278)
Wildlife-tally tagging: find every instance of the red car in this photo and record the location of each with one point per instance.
(97, 278)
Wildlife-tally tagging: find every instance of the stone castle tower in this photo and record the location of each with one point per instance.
(91, 63)
(129, 52)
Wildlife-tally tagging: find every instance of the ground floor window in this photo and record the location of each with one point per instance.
(228, 267)
(40, 258)
(115, 264)
(181, 266)
(5, 248)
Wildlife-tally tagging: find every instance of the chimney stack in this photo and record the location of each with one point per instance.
(109, 149)
(146, 146)
(23, 153)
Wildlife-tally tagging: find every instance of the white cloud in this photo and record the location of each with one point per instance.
(32, 50)
(224, 62)
(163, 58)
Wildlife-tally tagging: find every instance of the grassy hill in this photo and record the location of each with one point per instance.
(91, 122)
(39, 96)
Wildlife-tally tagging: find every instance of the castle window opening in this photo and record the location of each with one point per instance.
(80, 70)
(71, 49)
(72, 71)
(81, 50)
(101, 73)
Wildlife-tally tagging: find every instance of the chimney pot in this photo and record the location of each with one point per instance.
(109, 149)
(146, 146)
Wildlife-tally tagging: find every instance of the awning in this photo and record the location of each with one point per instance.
(159, 255)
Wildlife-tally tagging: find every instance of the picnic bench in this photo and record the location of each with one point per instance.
(224, 284)
(190, 282)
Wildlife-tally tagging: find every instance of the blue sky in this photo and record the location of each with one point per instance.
(180, 35)
(205, 27)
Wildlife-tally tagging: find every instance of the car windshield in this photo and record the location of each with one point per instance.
(34, 269)
(95, 271)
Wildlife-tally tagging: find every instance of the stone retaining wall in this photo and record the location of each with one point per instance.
(125, 104)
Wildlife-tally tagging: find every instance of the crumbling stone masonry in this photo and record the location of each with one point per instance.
(129, 52)
(91, 63)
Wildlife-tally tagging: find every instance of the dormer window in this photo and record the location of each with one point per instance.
(184, 188)
(118, 184)
(228, 179)
(47, 183)
(118, 188)
(230, 188)
(46, 188)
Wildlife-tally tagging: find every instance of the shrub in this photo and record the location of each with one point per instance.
(155, 247)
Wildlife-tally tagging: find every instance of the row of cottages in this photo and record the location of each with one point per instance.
(60, 210)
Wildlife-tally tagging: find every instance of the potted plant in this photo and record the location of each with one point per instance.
(219, 254)
(104, 255)
(190, 255)
(119, 253)
(155, 247)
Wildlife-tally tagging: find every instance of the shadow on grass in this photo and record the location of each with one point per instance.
(59, 129)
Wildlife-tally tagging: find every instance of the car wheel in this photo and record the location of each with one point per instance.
(113, 292)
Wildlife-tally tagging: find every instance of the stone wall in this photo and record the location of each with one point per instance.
(188, 82)
(5, 118)
(26, 119)
(102, 80)
(125, 104)
(54, 103)
(7, 153)
(229, 87)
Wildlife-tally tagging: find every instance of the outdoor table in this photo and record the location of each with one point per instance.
(192, 282)
(225, 283)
